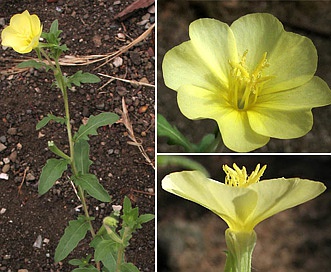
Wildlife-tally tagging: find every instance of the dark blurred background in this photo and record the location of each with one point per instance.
(308, 18)
(191, 238)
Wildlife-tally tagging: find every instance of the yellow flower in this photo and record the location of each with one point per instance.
(23, 32)
(242, 201)
(254, 78)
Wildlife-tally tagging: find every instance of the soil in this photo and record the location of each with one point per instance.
(88, 28)
(191, 238)
(309, 18)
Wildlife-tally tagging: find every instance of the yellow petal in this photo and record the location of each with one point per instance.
(23, 32)
(277, 195)
(237, 133)
(280, 123)
(315, 93)
(181, 65)
(225, 201)
(215, 44)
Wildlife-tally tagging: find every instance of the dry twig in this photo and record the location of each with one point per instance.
(134, 141)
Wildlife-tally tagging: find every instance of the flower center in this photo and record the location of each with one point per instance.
(238, 177)
(244, 87)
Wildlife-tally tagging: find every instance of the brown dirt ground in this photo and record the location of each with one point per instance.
(89, 28)
(191, 238)
(308, 18)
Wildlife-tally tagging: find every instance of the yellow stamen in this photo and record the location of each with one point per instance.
(244, 87)
(239, 178)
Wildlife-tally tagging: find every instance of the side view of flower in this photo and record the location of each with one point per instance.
(243, 201)
(255, 79)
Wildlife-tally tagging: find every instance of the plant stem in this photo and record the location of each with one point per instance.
(121, 249)
(62, 85)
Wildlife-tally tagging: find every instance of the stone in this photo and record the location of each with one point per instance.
(13, 156)
(2, 147)
(12, 131)
(30, 177)
(5, 168)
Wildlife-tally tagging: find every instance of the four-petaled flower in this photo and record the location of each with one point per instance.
(23, 32)
(254, 78)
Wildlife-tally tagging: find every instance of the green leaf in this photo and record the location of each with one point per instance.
(94, 122)
(73, 234)
(181, 161)
(86, 269)
(50, 117)
(52, 171)
(129, 267)
(80, 77)
(175, 137)
(91, 185)
(82, 161)
(106, 252)
(31, 63)
(144, 218)
(209, 143)
(54, 29)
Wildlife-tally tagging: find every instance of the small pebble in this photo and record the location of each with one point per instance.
(3, 139)
(30, 177)
(4, 176)
(12, 131)
(6, 160)
(118, 61)
(3, 210)
(13, 156)
(2, 147)
(5, 168)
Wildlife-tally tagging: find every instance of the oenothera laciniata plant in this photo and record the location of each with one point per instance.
(23, 35)
(253, 78)
(242, 201)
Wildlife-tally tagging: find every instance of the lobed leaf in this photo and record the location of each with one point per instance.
(94, 122)
(80, 77)
(91, 185)
(52, 171)
(73, 234)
